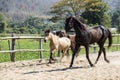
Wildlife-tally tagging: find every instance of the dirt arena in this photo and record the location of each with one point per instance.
(35, 70)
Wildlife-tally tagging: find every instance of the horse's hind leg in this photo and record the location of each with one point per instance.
(105, 58)
(99, 54)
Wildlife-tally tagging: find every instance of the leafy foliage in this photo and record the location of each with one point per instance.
(118, 24)
(33, 25)
(96, 12)
(93, 11)
(67, 7)
(3, 23)
(116, 14)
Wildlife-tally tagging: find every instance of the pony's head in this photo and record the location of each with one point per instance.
(60, 33)
(47, 35)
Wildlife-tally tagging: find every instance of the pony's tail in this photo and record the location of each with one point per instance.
(109, 38)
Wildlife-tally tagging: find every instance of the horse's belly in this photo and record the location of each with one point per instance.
(63, 46)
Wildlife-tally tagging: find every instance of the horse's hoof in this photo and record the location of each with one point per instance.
(107, 61)
(95, 62)
(92, 65)
(70, 66)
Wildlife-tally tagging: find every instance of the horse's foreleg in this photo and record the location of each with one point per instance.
(105, 58)
(77, 46)
(87, 55)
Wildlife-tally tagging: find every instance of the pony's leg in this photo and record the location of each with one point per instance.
(77, 46)
(64, 52)
(87, 55)
(51, 53)
(99, 54)
(72, 48)
(50, 57)
(62, 56)
(67, 54)
(105, 58)
(58, 53)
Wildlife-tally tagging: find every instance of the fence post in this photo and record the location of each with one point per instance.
(40, 46)
(9, 44)
(12, 54)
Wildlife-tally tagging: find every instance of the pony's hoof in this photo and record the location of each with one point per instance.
(40, 61)
(49, 62)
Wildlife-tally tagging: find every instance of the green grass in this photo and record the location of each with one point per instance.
(32, 44)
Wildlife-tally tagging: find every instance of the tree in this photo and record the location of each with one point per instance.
(3, 22)
(67, 7)
(116, 14)
(91, 10)
(106, 20)
(118, 24)
(96, 12)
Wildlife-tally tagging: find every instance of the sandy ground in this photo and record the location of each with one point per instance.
(35, 70)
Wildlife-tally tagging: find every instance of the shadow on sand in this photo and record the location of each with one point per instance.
(54, 70)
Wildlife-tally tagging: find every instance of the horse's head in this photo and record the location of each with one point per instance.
(68, 23)
(73, 22)
(47, 35)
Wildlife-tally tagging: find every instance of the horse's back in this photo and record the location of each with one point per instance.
(65, 40)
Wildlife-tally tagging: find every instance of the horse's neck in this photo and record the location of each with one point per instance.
(80, 29)
(77, 28)
(53, 39)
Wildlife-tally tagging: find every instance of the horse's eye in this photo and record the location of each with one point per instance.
(46, 34)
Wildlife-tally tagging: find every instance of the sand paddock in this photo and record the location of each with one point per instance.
(35, 70)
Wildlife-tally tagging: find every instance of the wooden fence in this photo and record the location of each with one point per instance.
(13, 39)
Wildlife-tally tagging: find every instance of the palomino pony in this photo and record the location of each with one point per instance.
(71, 37)
(56, 43)
(86, 36)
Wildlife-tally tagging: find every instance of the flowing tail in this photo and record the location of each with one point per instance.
(109, 38)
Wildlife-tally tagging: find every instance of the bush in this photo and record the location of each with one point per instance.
(3, 23)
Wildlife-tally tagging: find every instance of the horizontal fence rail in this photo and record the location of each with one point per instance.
(13, 39)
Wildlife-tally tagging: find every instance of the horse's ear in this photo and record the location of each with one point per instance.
(48, 31)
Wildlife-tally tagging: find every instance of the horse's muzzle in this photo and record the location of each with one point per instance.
(45, 39)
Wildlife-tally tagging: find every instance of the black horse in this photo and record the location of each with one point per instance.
(86, 36)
